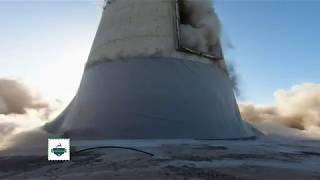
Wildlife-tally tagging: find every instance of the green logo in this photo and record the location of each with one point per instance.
(58, 150)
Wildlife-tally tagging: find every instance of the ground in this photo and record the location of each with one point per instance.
(260, 159)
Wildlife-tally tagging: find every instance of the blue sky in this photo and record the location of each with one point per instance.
(276, 44)
(47, 43)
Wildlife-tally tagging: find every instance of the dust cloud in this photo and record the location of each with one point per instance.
(297, 108)
(22, 108)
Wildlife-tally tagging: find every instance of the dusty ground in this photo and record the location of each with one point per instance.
(187, 159)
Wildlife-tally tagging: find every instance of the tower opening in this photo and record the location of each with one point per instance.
(198, 29)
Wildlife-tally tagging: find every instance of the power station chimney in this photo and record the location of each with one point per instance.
(154, 72)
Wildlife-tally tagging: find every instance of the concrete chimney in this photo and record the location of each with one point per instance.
(140, 84)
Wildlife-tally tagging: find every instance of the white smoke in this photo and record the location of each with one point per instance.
(200, 26)
(234, 77)
(297, 108)
(101, 4)
(32, 142)
(5, 129)
(22, 108)
(16, 98)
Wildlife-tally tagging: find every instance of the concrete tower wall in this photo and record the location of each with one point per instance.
(137, 85)
(138, 28)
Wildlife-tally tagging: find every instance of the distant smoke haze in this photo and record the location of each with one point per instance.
(234, 77)
(16, 97)
(6, 129)
(22, 108)
(297, 108)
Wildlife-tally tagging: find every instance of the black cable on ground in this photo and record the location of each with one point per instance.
(113, 147)
(231, 139)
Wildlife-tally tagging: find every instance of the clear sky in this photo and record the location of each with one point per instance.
(276, 44)
(46, 43)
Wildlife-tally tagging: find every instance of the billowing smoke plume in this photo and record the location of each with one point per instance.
(22, 108)
(15, 98)
(5, 129)
(297, 108)
(200, 26)
(234, 77)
